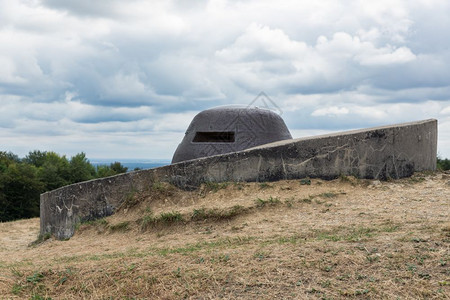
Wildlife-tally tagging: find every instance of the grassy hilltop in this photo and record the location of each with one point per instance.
(297, 239)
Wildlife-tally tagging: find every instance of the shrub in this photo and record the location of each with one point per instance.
(443, 164)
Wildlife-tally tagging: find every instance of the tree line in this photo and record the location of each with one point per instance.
(22, 180)
(443, 164)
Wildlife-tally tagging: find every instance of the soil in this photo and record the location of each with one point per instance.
(296, 239)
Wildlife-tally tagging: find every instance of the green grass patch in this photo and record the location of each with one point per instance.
(163, 187)
(41, 238)
(346, 234)
(130, 199)
(165, 219)
(215, 186)
(159, 189)
(35, 278)
(98, 222)
(307, 200)
(101, 225)
(305, 181)
(294, 239)
(389, 228)
(170, 217)
(267, 202)
(328, 195)
(17, 289)
(265, 185)
(121, 227)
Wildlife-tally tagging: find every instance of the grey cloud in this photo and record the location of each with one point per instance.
(328, 63)
(85, 8)
(108, 117)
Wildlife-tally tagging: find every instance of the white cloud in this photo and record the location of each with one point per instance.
(76, 73)
(445, 111)
(266, 57)
(343, 46)
(386, 56)
(371, 113)
(260, 42)
(327, 111)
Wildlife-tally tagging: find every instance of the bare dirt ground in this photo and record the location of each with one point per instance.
(296, 239)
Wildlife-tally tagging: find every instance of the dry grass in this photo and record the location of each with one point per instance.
(345, 238)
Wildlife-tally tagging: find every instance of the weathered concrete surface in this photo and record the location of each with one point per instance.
(383, 152)
(233, 128)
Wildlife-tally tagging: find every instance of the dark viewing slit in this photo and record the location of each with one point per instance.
(214, 137)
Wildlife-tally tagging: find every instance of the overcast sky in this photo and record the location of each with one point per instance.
(123, 79)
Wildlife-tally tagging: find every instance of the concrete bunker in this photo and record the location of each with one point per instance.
(227, 129)
(393, 151)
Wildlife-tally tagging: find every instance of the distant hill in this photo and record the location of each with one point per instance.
(131, 164)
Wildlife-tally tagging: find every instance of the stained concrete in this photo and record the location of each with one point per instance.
(227, 129)
(377, 153)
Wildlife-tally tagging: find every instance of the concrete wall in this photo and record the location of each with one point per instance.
(383, 152)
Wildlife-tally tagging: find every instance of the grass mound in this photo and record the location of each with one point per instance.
(314, 239)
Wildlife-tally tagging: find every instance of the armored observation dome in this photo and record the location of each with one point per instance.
(228, 129)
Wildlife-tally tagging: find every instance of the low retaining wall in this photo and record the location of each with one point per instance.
(377, 153)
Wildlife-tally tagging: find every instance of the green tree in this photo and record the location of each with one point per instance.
(54, 176)
(20, 189)
(443, 164)
(113, 169)
(22, 181)
(53, 169)
(7, 158)
(104, 171)
(36, 158)
(118, 168)
(80, 168)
